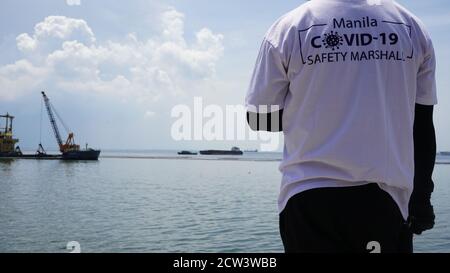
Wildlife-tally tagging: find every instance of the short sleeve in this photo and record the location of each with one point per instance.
(269, 84)
(426, 78)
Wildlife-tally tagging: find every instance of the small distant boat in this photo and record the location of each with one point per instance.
(251, 151)
(187, 153)
(445, 153)
(233, 151)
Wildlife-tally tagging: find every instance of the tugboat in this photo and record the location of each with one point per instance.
(233, 151)
(69, 150)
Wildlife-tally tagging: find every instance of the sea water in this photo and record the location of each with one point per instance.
(159, 202)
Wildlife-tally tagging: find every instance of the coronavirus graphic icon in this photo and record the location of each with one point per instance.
(332, 40)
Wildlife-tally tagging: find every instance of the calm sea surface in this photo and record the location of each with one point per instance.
(161, 203)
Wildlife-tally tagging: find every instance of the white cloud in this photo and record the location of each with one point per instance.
(173, 22)
(62, 27)
(26, 43)
(73, 2)
(52, 32)
(65, 54)
(17, 78)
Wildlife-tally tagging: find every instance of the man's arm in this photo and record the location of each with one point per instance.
(270, 122)
(421, 211)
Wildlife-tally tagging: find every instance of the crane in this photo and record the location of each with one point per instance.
(64, 147)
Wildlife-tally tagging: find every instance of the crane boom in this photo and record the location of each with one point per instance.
(70, 142)
(52, 120)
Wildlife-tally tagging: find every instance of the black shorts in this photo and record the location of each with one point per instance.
(358, 219)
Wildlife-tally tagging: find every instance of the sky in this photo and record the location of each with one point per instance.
(114, 69)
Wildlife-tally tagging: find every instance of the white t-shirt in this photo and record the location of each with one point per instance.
(348, 74)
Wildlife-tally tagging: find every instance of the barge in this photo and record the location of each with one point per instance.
(69, 150)
(233, 151)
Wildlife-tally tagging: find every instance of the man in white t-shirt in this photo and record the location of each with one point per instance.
(352, 83)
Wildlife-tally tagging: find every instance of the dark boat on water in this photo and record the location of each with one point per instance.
(89, 154)
(233, 151)
(187, 153)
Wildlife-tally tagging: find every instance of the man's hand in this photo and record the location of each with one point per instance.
(421, 217)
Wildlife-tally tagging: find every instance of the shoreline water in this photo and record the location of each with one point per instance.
(212, 158)
(172, 155)
(208, 205)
